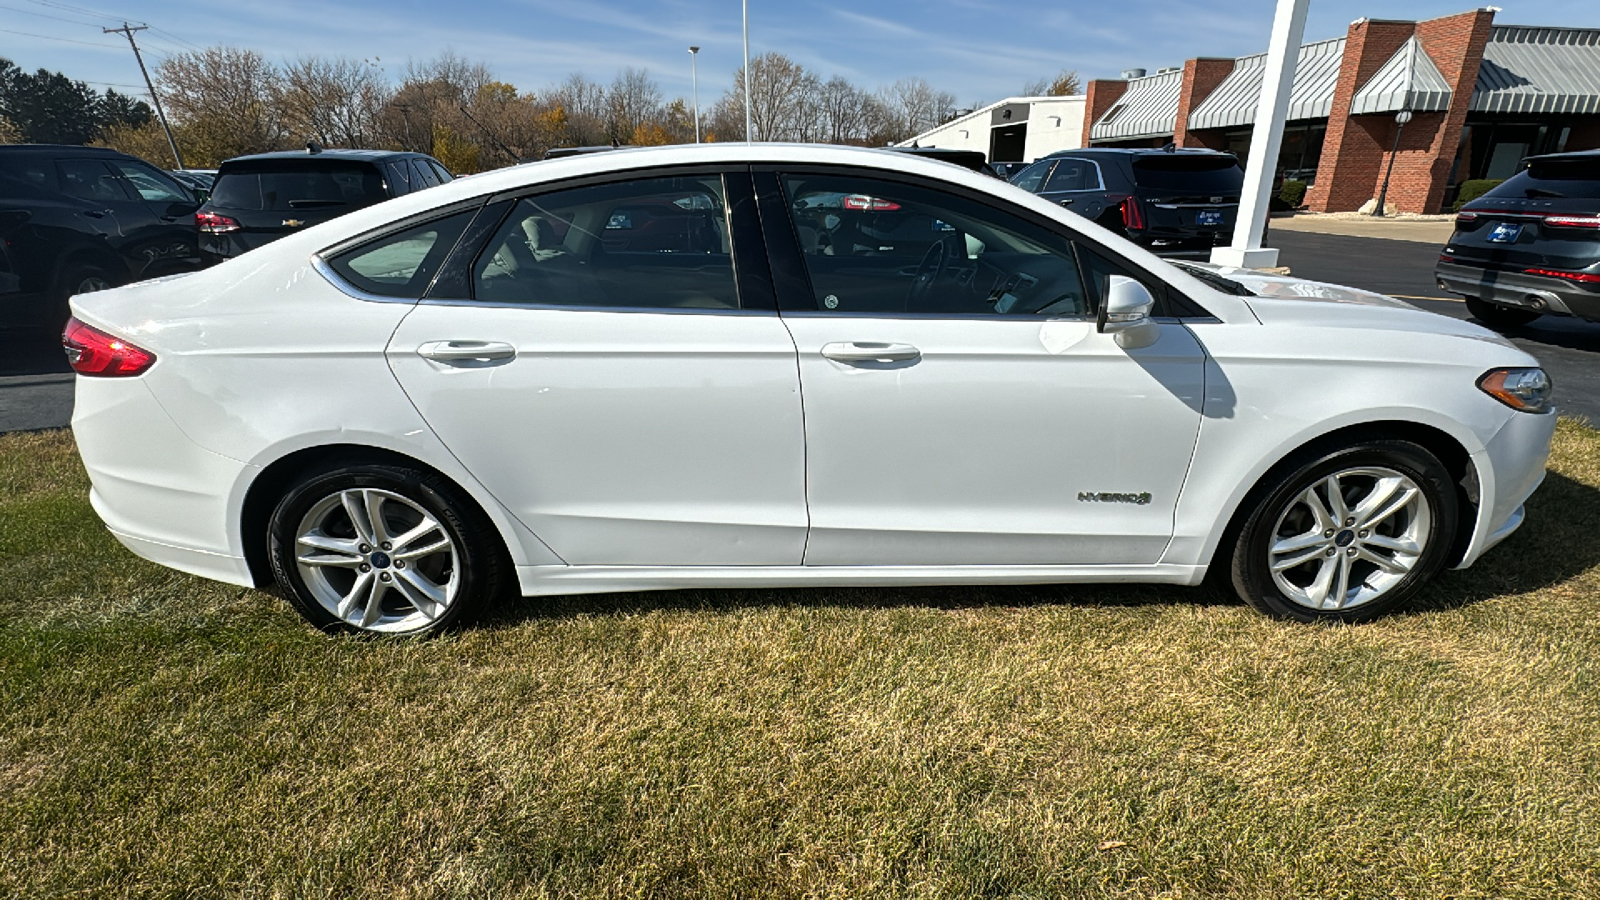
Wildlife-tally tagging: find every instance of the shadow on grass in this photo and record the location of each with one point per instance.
(1559, 540)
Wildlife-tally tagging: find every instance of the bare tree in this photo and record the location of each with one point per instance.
(224, 100)
(632, 101)
(784, 97)
(584, 104)
(335, 101)
(847, 114)
(1065, 84)
(913, 106)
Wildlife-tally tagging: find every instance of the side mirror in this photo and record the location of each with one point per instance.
(1126, 313)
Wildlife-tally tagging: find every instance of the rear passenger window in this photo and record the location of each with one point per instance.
(401, 264)
(424, 176)
(660, 243)
(90, 179)
(400, 178)
(1073, 175)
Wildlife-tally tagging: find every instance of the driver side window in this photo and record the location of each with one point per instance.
(878, 246)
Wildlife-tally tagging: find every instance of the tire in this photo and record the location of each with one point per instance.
(1383, 565)
(404, 579)
(1498, 317)
(76, 277)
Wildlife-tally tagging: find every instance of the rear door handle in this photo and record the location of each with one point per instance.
(1066, 202)
(869, 351)
(465, 351)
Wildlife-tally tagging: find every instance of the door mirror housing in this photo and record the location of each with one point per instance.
(1126, 313)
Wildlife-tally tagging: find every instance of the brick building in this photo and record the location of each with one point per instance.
(1482, 97)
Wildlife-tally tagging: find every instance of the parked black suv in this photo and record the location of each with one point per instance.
(1531, 246)
(79, 219)
(1172, 202)
(257, 199)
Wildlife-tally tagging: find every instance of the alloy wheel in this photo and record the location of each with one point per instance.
(377, 560)
(1349, 538)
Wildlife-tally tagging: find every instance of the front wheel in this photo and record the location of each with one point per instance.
(1349, 535)
(1496, 316)
(381, 549)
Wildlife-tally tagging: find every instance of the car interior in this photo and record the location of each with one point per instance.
(658, 243)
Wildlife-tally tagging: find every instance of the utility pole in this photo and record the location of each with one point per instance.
(128, 30)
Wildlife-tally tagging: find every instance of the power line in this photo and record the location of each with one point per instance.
(29, 12)
(70, 8)
(51, 38)
(176, 38)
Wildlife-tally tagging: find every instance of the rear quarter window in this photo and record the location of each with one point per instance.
(1556, 178)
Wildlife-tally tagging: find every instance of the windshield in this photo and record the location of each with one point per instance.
(1577, 177)
(297, 185)
(1200, 174)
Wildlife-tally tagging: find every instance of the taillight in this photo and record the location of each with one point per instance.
(212, 223)
(91, 351)
(1466, 218)
(1573, 221)
(1580, 277)
(863, 202)
(1132, 214)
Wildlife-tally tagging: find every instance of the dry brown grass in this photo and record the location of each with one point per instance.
(161, 736)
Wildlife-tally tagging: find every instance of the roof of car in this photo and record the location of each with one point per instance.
(358, 155)
(59, 150)
(1143, 151)
(1571, 154)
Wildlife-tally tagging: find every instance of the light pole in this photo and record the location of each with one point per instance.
(694, 80)
(1400, 120)
(748, 135)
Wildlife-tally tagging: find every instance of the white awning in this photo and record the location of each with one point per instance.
(1409, 80)
(1539, 70)
(1149, 108)
(1233, 103)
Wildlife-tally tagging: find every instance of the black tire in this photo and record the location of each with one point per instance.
(1279, 503)
(76, 277)
(474, 571)
(1498, 317)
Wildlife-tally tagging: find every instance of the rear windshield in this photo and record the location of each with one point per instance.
(297, 185)
(1576, 178)
(1200, 174)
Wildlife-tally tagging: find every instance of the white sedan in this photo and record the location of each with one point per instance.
(760, 365)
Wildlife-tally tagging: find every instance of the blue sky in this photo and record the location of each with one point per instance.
(978, 50)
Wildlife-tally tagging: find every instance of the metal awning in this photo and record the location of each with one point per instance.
(1409, 80)
(1233, 103)
(1149, 108)
(1539, 70)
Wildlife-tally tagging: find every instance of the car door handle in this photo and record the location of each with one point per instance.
(869, 351)
(1066, 202)
(465, 351)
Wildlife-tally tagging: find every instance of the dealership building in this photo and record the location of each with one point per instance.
(1480, 97)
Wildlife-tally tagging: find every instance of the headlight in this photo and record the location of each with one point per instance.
(1525, 390)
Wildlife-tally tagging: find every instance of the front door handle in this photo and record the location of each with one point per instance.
(869, 351)
(466, 351)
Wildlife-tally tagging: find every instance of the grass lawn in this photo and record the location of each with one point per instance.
(163, 736)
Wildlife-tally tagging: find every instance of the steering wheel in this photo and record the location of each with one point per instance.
(929, 271)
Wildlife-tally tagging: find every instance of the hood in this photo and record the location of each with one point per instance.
(1281, 299)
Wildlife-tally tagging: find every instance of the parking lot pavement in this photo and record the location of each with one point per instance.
(35, 382)
(1569, 349)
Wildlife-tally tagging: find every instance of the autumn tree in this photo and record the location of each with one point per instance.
(912, 106)
(632, 100)
(1065, 84)
(223, 103)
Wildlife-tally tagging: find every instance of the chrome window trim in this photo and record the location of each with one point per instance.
(1099, 176)
(563, 307)
(334, 278)
(952, 317)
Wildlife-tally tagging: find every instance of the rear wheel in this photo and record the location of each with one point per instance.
(1496, 316)
(381, 549)
(1349, 535)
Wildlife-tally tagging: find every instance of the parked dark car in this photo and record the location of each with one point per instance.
(1172, 202)
(258, 199)
(967, 159)
(80, 219)
(1531, 246)
(198, 181)
(1008, 170)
